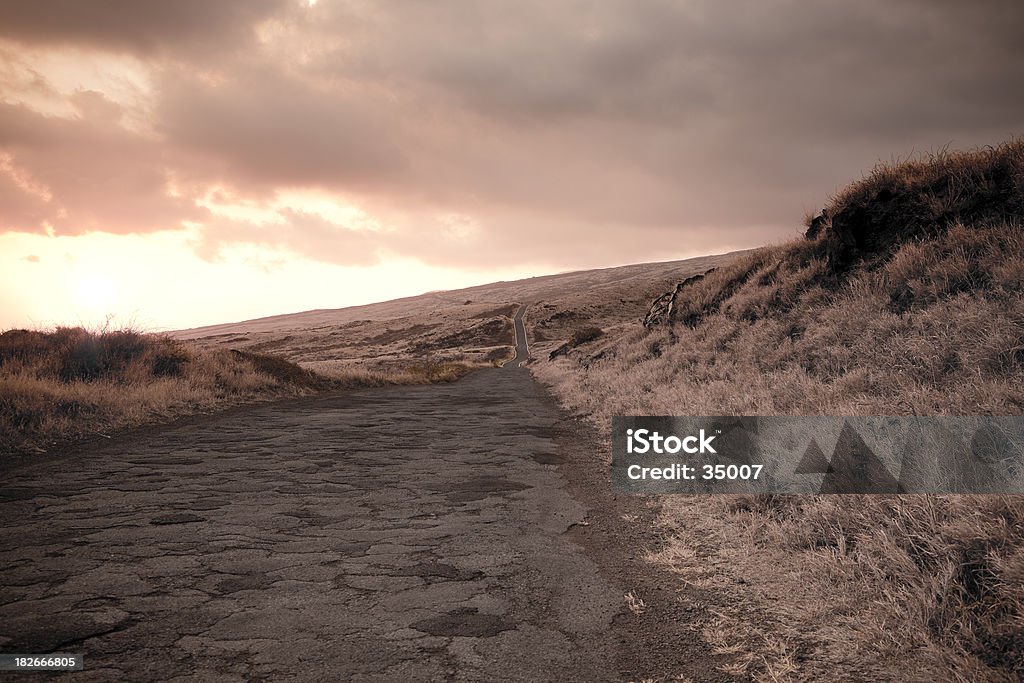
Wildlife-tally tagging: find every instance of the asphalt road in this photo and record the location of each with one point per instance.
(522, 344)
(461, 532)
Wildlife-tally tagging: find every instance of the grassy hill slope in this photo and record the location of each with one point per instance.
(471, 325)
(906, 297)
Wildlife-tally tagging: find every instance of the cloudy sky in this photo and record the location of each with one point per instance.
(191, 162)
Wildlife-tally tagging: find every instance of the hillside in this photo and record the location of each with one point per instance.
(906, 297)
(470, 325)
(623, 278)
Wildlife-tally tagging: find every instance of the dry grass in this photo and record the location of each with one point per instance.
(924, 317)
(919, 588)
(557, 317)
(635, 604)
(72, 383)
(922, 197)
(938, 329)
(478, 335)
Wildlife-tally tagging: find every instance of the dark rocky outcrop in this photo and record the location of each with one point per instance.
(817, 225)
(899, 203)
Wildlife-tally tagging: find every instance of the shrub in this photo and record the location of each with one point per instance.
(169, 361)
(434, 372)
(71, 382)
(585, 334)
(94, 356)
(279, 369)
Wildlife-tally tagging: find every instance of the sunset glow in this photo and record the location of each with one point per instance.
(202, 163)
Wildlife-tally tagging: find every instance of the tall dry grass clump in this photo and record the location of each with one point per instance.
(72, 383)
(906, 297)
(921, 197)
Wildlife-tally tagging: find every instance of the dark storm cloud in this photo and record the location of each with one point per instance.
(577, 132)
(682, 63)
(265, 126)
(139, 26)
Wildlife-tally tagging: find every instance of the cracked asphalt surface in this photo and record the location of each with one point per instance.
(395, 534)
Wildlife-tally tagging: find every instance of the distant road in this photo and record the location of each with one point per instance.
(522, 344)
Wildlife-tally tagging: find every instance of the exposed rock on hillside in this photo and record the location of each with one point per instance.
(662, 308)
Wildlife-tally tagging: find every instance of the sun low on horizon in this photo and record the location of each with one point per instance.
(158, 283)
(171, 165)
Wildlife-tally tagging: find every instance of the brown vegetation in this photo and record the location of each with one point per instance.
(584, 335)
(580, 336)
(922, 197)
(472, 334)
(72, 383)
(451, 327)
(906, 298)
